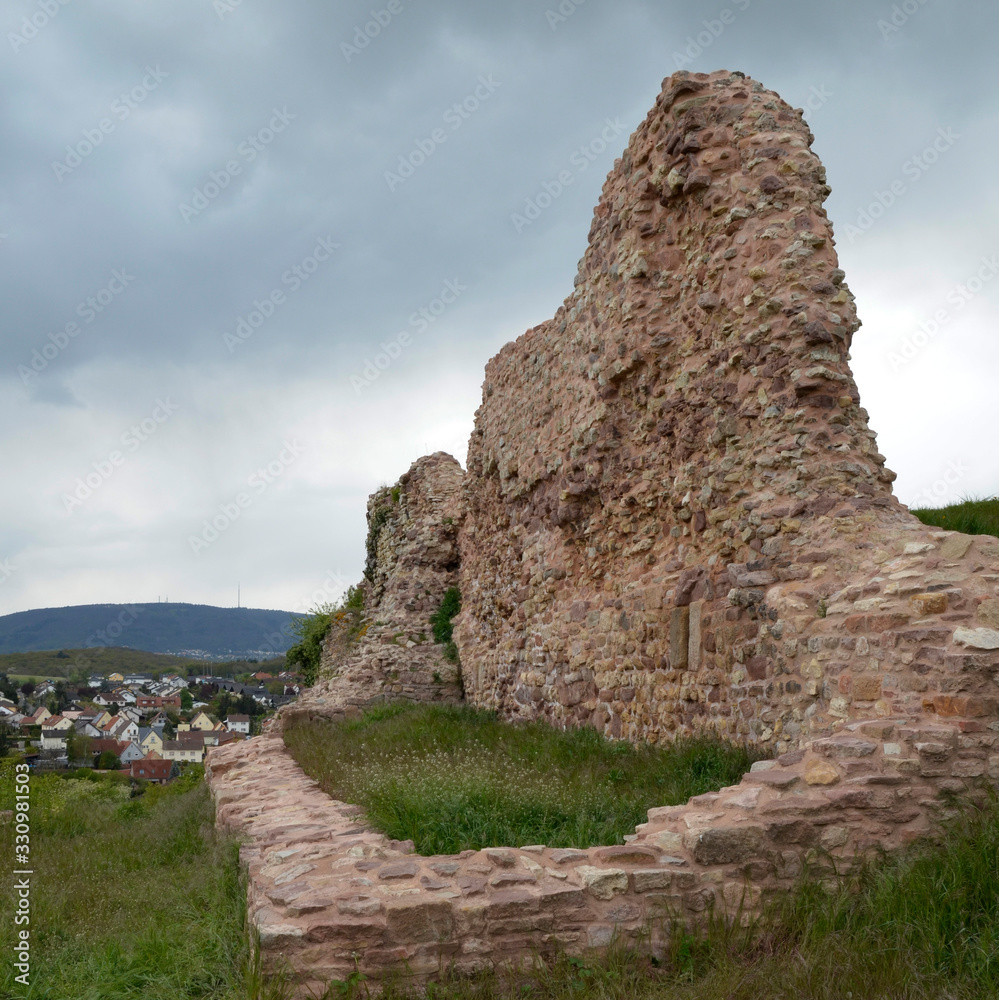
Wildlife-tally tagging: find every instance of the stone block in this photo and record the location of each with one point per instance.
(417, 919)
(977, 638)
(821, 772)
(928, 604)
(649, 879)
(505, 879)
(359, 906)
(967, 768)
(694, 639)
(968, 706)
(834, 836)
(402, 870)
(988, 613)
(723, 845)
(841, 747)
(956, 547)
(679, 638)
(603, 883)
(564, 856)
(866, 687)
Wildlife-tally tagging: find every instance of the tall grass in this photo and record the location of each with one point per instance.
(971, 516)
(131, 897)
(452, 778)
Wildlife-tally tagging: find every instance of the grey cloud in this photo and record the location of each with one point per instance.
(322, 175)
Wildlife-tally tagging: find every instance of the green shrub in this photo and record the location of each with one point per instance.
(452, 778)
(441, 622)
(375, 525)
(345, 616)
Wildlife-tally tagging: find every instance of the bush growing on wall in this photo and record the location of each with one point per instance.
(375, 526)
(345, 618)
(442, 623)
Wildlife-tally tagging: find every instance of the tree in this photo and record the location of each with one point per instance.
(27, 688)
(186, 701)
(8, 688)
(108, 761)
(78, 746)
(6, 739)
(222, 705)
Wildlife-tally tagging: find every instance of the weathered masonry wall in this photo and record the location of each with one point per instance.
(412, 561)
(677, 516)
(329, 896)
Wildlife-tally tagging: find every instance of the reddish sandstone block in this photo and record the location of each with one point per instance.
(415, 918)
(928, 604)
(867, 687)
(722, 845)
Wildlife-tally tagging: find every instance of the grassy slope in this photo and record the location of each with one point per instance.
(973, 517)
(99, 660)
(131, 898)
(454, 778)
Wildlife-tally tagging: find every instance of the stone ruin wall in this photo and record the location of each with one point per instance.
(674, 518)
(677, 516)
(412, 561)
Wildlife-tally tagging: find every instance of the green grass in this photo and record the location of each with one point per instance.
(131, 897)
(56, 663)
(452, 778)
(971, 516)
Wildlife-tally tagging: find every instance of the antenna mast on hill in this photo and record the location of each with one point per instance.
(237, 595)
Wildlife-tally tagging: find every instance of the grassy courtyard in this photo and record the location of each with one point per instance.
(452, 778)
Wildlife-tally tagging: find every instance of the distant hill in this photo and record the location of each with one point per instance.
(191, 631)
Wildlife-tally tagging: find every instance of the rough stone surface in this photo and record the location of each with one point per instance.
(675, 518)
(412, 561)
(325, 892)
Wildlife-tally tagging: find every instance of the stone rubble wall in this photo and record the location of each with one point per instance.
(328, 896)
(413, 560)
(677, 516)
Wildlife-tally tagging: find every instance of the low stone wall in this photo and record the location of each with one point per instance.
(328, 896)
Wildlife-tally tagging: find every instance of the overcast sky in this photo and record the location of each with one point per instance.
(211, 223)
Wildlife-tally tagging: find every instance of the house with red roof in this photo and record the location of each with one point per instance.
(159, 772)
(55, 730)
